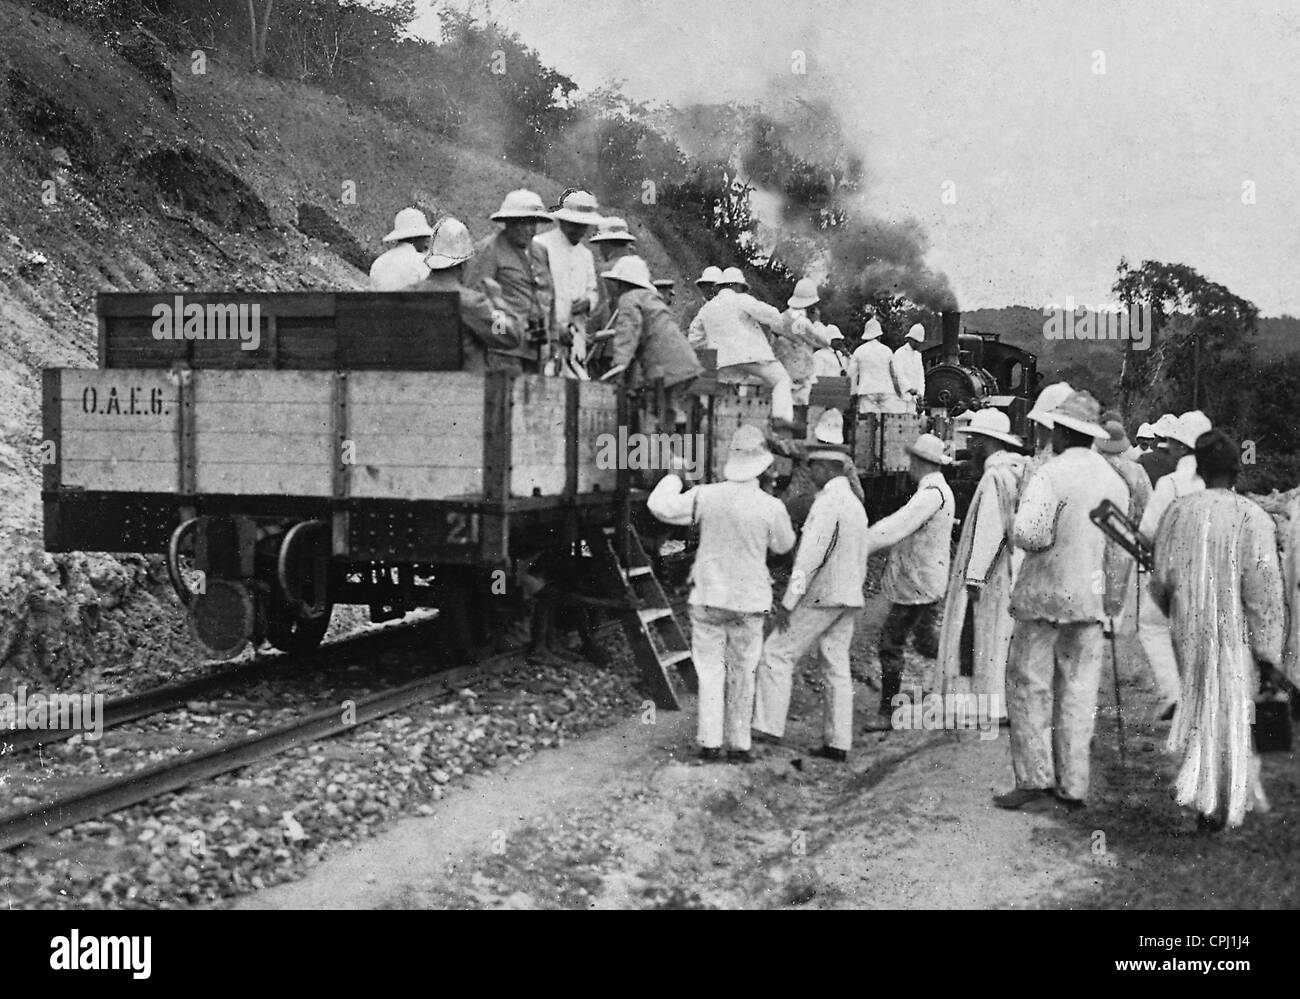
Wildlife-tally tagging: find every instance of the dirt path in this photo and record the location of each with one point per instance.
(630, 819)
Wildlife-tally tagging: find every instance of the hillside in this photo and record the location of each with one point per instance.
(237, 185)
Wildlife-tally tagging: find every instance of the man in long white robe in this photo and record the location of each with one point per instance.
(984, 568)
(1153, 626)
(1217, 576)
(1291, 580)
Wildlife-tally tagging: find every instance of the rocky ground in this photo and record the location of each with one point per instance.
(631, 819)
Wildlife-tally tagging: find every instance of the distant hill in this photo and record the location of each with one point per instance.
(1095, 365)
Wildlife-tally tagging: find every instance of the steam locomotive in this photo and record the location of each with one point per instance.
(968, 370)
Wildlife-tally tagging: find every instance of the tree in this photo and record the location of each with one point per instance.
(257, 32)
(1197, 325)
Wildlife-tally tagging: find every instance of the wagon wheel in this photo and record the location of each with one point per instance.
(291, 634)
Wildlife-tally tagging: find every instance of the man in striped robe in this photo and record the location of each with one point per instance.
(977, 622)
(1217, 577)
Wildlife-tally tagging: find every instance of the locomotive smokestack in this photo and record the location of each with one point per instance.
(951, 324)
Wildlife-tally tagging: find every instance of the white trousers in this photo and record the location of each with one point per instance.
(725, 646)
(1158, 644)
(775, 377)
(831, 629)
(1053, 675)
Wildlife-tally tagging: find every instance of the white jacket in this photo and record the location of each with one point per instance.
(398, 268)
(831, 564)
(828, 363)
(919, 537)
(573, 274)
(909, 371)
(739, 524)
(869, 370)
(1182, 481)
(732, 324)
(1071, 572)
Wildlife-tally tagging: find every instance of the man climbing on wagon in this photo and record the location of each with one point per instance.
(732, 324)
(731, 588)
(648, 345)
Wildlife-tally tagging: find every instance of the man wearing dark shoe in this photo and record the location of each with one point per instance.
(821, 604)
(1031, 798)
(919, 537)
(1072, 579)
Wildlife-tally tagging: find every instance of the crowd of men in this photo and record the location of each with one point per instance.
(533, 303)
(1019, 614)
(1022, 611)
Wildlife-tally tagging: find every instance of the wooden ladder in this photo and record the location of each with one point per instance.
(652, 630)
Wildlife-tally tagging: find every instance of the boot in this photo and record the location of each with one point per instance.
(890, 682)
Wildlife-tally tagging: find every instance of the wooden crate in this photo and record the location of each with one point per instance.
(597, 415)
(735, 404)
(900, 432)
(881, 441)
(830, 393)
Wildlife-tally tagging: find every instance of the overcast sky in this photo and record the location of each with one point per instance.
(1058, 170)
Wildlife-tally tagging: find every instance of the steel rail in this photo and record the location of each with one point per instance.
(170, 696)
(173, 775)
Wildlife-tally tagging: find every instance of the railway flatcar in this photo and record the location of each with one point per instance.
(291, 452)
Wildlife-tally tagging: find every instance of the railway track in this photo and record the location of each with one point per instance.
(131, 789)
(171, 696)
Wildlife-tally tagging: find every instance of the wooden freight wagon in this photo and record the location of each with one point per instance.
(301, 450)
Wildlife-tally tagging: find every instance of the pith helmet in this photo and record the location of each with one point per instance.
(990, 422)
(748, 456)
(580, 207)
(452, 244)
(521, 204)
(929, 448)
(733, 275)
(710, 275)
(613, 229)
(409, 223)
(630, 270)
(1190, 426)
(805, 294)
(1080, 412)
(1048, 400)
